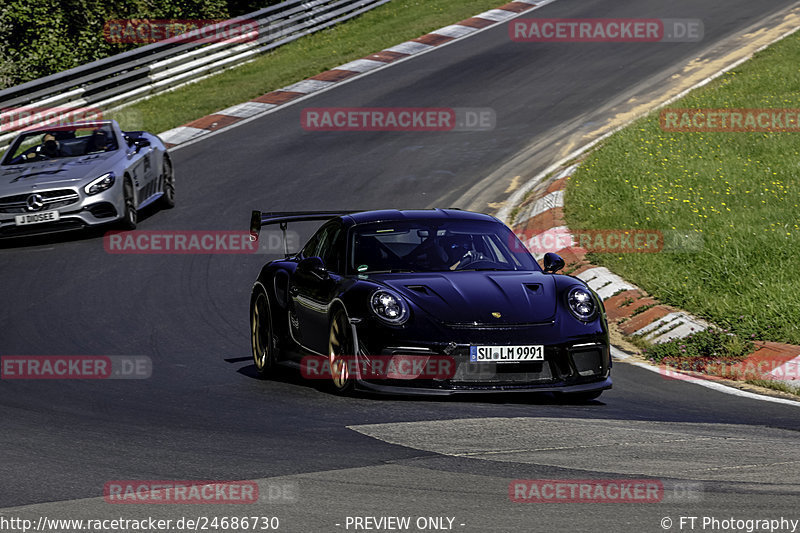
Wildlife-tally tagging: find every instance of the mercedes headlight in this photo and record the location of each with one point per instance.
(581, 303)
(389, 307)
(103, 183)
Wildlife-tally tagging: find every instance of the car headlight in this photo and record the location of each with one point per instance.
(581, 303)
(101, 184)
(389, 306)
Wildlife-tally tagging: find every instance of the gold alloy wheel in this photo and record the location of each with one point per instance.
(340, 351)
(260, 333)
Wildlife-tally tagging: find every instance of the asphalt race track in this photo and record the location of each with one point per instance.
(204, 415)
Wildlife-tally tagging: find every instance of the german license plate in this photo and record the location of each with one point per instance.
(506, 354)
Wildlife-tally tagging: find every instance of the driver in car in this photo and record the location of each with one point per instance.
(451, 252)
(49, 148)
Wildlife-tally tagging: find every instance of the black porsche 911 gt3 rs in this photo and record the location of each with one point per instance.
(426, 302)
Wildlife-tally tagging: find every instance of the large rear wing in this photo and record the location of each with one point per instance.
(259, 219)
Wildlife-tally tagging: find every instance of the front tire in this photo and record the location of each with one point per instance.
(261, 341)
(168, 184)
(130, 216)
(341, 351)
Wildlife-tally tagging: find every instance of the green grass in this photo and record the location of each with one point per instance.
(739, 192)
(385, 26)
(774, 385)
(701, 346)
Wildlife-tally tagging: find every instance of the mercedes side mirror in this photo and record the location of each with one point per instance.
(141, 143)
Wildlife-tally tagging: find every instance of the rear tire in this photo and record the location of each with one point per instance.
(261, 340)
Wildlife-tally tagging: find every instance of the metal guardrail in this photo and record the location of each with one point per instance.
(115, 81)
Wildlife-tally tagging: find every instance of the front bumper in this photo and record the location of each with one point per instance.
(500, 389)
(573, 367)
(76, 211)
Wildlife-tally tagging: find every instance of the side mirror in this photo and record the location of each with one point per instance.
(313, 265)
(552, 262)
(141, 143)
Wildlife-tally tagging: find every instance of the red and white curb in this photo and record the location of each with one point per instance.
(627, 306)
(359, 67)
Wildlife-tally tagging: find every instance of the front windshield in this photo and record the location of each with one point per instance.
(436, 246)
(61, 142)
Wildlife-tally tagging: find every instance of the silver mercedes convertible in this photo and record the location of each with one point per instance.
(81, 175)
